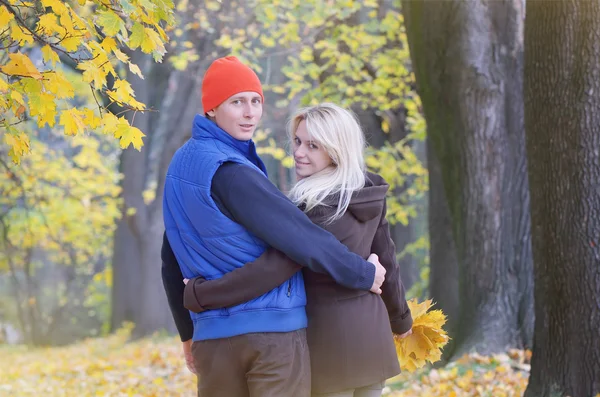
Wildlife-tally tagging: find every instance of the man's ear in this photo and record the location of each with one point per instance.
(211, 113)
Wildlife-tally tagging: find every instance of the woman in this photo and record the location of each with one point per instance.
(350, 332)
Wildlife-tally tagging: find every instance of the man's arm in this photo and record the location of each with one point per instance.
(252, 280)
(173, 283)
(254, 202)
(393, 293)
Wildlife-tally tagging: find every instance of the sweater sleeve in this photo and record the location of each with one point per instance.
(254, 202)
(392, 290)
(174, 287)
(250, 281)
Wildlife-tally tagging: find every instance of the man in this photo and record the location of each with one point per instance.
(220, 212)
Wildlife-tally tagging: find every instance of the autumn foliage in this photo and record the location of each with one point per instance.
(427, 339)
(39, 40)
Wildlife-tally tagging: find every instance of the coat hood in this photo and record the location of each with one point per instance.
(365, 204)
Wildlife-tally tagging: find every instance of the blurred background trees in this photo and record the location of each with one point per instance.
(463, 104)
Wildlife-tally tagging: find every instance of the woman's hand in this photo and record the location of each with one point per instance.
(404, 335)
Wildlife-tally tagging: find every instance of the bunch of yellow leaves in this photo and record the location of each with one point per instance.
(427, 338)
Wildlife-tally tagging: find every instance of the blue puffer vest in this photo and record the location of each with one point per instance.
(208, 243)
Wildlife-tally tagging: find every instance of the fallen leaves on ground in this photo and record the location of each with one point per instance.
(502, 375)
(98, 367)
(154, 366)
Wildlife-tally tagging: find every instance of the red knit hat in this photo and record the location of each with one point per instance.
(226, 77)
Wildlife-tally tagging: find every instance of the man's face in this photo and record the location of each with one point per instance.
(239, 115)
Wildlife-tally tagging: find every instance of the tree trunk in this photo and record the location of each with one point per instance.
(138, 294)
(562, 92)
(467, 58)
(443, 266)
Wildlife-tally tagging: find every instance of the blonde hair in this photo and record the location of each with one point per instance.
(337, 130)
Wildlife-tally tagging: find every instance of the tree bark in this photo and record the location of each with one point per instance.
(562, 98)
(443, 266)
(467, 58)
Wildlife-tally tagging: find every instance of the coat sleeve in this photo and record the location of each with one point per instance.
(250, 281)
(255, 203)
(392, 290)
(174, 289)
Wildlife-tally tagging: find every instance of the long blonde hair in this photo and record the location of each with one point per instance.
(337, 130)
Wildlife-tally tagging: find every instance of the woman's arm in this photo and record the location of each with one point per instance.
(252, 280)
(393, 293)
(174, 288)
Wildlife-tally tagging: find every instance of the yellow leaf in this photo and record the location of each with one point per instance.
(21, 65)
(19, 35)
(92, 73)
(56, 83)
(16, 96)
(91, 119)
(137, 36)
(67, 22)
(5, 18)
(57, 6)
(48, 26)
(3, 85)
(109, 44)
(43, 106)
(71, 43)
(110, 22)
(135, 70)
(49, 55)
(19, 144)
(121, 56)
(385, 126)
(72, 120)
(123, 93)
(109, 123)
(152, 42)
(129, 135)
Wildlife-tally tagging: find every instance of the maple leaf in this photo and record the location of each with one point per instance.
(5, 18)
(110, 22)
(92, 73)
(49, 55)
(21, 65)
(19, 144)
(48, 26)
(43, 106)
(128, 135)
(72, 120)
(57, 83)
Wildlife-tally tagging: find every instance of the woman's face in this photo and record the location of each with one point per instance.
(310, 157)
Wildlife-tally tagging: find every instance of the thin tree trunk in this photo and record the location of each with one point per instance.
(562, 92)
(467, 58)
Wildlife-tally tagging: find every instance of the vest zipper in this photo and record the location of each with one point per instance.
(289, 288)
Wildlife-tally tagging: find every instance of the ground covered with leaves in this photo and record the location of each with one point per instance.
(154, 367)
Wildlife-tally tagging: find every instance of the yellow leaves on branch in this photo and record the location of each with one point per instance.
(93, 35)
(427, 339)
(20, 65)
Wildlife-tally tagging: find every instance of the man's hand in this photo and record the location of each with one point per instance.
(189, 358)
(379, 273)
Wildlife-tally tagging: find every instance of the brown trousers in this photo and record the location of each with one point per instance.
(262, 364)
